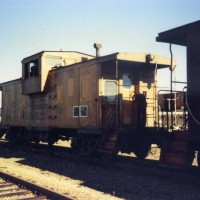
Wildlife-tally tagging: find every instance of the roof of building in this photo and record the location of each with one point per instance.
(179, 35)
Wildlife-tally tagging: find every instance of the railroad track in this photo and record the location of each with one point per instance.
(150, 166)
(12, 188)
(65, 152)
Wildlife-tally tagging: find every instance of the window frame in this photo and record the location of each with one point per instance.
(127, 86)
(113, 98)
(31, 69)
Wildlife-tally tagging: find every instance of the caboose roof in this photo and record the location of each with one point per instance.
(7, 82)
(59, 53)
(179, 35)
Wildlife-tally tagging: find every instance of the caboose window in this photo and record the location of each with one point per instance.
(75, 111)
(110, 91)
(31, 69)
(127, 80)
(83, 111)
(80, 111)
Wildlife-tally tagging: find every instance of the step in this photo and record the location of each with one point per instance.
(111, 138)
(174, 159)
(178, 147)
(180, 136)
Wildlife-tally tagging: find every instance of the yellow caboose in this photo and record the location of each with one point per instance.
(106, 103)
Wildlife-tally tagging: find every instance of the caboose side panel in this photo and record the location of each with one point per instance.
(88, 90)
(69, 100)
(11, 103)
(62, 96)
(72, 95)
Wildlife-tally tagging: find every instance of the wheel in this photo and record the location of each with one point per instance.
(51, 143)
(142, 149)
(11, 136)
(35, 137)
(25, 137)
(106, 156)
(74, 146)
(1, 134)
(36, 141)
(52, 139)
(190, 157)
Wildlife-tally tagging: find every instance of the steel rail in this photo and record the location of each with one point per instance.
(36, 188)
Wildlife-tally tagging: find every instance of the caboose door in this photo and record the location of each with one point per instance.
(110, 114)
(127, 90)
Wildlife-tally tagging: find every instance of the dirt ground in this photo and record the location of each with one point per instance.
(87, 180)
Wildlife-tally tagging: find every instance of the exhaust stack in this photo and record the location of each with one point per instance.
(97, 47)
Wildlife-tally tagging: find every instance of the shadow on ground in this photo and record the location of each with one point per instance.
(123, 177)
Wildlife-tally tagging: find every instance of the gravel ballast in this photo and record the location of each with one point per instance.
(87, 180)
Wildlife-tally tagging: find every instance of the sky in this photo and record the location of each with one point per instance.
(31, 26)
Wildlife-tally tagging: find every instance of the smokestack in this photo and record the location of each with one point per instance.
(97, 47)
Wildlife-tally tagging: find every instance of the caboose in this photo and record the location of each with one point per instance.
(101, 103)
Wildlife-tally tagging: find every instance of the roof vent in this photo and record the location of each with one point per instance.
(97, 47)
